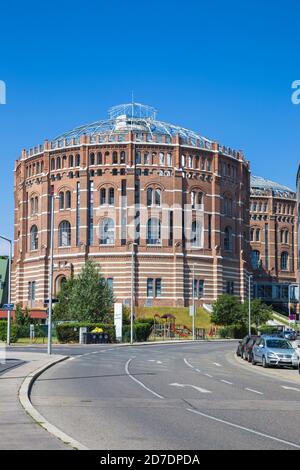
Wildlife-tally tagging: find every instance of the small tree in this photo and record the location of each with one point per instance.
(22, 318)
(260, 312)
(227, 311)
(86, 297)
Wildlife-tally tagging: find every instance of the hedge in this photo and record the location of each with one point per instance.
(69, 332)
(13, 331)
(235, 332)
(141, 331)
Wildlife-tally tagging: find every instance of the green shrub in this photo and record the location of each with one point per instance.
(13, 331)
(235, 332)
(69, 332)
(141, 331)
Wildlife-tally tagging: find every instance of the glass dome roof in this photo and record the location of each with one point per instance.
(258, 182)
(133, 117)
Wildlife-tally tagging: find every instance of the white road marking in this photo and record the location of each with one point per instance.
(291, 388)
(210, 376)
(226, 382)
(217, 364)
(139, 382)
(252, 431)
(198, 370)
(254, 391)
(187, 363)
(158, 362)
(199, 389)
(151, 360)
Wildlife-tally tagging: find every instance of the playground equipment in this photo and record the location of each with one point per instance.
(165, 327)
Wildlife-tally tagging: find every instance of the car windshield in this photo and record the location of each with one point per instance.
(278, 344)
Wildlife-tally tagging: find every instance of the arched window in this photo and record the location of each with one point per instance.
(36, 205)
(193, 199)
(153, 232)
(64, 234)
(123, 157)
(200, 199)
(149, 196)
(71, 161)
(99, 158)
(38, 168)
(92, 159)
(169, 159)
(190, 161)
(32, 206)
(111, 197)
(68, 199)
(77, 160)
(42, 167)
(115, 158)
(284, 261)
(255, 259)
(61, 200)
(157, 197)
(107, 232)
(161, 159)
(58, 163)
(196, 241)
(228, 239)
(102, 197)
(146, 158)
(257, 235)
(64, 159)
(34, 241)
(52, 164)
(252, 234)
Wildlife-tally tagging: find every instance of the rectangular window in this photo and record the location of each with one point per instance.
(195, 289)
(209, 232)
(157, 287)
(110, 283)
(149, 287)
(230, 287)
(137, 188)
(201, 289)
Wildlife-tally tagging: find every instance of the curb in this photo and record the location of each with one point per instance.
(24, 397)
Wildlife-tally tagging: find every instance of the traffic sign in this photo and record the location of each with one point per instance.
(9, 307)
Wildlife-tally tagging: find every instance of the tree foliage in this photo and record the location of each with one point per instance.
(86, 297)
(22, 317)
(227, 311)
(260, 312)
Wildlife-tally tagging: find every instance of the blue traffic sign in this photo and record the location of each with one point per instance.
(9, 307)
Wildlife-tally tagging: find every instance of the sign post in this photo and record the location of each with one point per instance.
(118, 320)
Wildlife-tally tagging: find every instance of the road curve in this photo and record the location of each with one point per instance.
(181, 396)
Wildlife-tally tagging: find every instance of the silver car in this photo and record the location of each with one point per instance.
(274, 351)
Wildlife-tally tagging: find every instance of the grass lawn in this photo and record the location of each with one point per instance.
(36, 341)
(181, 314)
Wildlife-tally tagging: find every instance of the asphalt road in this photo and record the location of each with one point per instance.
(183, 396)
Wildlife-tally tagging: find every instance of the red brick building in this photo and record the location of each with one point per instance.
(274, 241)
(182, 198)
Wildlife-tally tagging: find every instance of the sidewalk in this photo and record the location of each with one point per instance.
(17, 429)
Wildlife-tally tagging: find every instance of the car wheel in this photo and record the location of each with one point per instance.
(249, 358)
(264, 363)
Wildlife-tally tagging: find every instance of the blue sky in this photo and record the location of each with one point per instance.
(223, 69)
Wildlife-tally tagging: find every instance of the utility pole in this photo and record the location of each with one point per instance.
(49, 347)
(193, 290)
(249, 300)
(132, 291)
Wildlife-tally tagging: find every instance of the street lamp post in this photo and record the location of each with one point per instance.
(9, 287)
(193, 290)
(49, 346)
(249, 302)
(132, 291)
